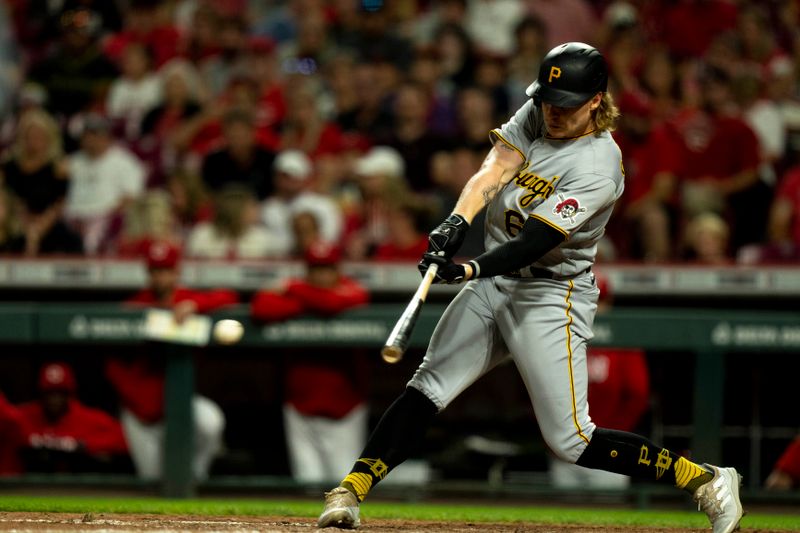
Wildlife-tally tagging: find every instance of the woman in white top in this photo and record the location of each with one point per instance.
(234, 232)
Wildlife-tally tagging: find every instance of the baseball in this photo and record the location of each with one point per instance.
(228, 331)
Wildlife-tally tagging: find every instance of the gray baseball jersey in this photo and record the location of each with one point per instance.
(542, 323)
(569, 184)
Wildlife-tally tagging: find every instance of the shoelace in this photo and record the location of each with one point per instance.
(710, 498)
(709, 504)
(335, 495)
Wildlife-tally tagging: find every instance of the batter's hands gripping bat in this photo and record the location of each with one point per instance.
(397, 342)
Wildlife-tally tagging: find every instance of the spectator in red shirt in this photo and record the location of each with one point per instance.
(651, 157)
(786, 472)
(64, 434)
(12, 438)
(139, 382)
(619, 390)
(144, 25)
(325, 409)
(209, 131)
(304, 128)
(407, 224)
(689, 26)
(261, 62)
(721, 157)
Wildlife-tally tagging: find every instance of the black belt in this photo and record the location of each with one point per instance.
(543, 273)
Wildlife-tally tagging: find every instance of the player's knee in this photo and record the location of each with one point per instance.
(421, 390)
(568, 449)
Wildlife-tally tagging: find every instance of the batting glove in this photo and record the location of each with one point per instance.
(449, 272)
(446, 238)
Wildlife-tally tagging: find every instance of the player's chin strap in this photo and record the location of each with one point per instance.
(534, 240)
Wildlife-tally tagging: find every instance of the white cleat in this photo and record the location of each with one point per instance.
(341, 510)
(719, 499)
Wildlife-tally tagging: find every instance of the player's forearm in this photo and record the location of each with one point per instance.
(499, 167)
(477, 194)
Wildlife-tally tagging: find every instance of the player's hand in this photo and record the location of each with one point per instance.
(448, 272)
(183, 310)
(446, 238)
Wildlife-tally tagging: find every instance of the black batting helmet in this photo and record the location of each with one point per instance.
(570, 74)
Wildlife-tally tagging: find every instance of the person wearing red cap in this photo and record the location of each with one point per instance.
(619, 393)
(139, 381)
(325, 412)
(164, 290)
(63, 433)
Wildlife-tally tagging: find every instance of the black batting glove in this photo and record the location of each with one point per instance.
(448, 272)
(446, 238)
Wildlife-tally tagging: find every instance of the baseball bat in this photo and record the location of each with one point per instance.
(397, 342)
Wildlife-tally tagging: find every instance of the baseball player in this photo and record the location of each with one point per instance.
(325, 410)
(64, 433)
(549, 184)
(139, 380)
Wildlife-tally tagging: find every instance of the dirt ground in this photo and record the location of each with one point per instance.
(40, 522)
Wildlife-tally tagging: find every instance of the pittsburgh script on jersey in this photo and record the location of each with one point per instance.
(537, 185)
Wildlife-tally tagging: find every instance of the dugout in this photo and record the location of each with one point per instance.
(718, 391)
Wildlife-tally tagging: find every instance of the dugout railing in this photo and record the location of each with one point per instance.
(709, 334)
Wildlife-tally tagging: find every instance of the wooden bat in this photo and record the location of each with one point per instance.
(397, 342)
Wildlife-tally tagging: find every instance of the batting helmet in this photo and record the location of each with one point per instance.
(570, 74)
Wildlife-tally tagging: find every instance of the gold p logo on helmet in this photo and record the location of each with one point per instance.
(555, 72)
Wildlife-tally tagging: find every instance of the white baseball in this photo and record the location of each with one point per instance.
(228, 331)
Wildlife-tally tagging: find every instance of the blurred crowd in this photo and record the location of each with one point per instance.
(251, 128)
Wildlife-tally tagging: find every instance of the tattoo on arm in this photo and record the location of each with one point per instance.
(503, 146)
(489, 193)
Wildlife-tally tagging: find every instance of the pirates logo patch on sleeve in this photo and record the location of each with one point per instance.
(568, 208)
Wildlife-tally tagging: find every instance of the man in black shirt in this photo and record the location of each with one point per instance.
(242, 160)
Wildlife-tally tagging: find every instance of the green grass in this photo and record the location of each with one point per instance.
(409, 511)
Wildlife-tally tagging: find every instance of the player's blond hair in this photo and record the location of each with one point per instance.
(607, 113)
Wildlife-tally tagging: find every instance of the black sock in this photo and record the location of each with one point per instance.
(639, 458)
(399, 432)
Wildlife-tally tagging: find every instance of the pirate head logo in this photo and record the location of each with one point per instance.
(568, 208)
